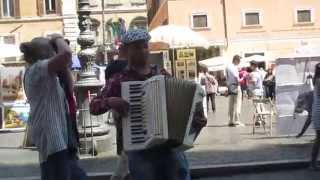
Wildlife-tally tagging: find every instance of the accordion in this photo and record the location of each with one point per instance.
(161, 112)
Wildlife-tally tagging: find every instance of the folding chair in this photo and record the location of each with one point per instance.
(263, 111)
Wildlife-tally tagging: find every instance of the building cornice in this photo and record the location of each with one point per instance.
(275, 38)
(112, 11)
(31, 19)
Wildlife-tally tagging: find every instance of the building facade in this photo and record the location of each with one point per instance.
(273, 28)
(108, 17)
(22, 20)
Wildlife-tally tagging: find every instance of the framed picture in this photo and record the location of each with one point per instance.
(186, 54)
(15, 115)
(11, 84)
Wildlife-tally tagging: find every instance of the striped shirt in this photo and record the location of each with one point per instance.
(47, 119)
(316, 105)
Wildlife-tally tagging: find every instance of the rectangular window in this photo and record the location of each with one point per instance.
(252, 54)
(8, 39)
(252, 18)
(50, 6)
(200, 21)
(113, 2)
(138, 2)
(7, 8)
(304, 16)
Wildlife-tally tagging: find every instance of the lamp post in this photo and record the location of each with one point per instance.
(94, 132)
(103, 24)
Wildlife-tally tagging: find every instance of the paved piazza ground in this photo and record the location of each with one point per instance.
(218, 144)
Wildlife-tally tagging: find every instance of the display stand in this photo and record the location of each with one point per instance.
(186, 64)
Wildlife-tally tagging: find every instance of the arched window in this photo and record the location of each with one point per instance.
(114, 28)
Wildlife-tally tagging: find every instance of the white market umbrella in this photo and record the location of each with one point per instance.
(220, 63)
(9, 50)
(178, 37)
(215, 63)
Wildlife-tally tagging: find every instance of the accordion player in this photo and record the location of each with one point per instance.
(161, 112)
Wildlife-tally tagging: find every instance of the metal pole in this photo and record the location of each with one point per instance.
(103, 25)
(91, 125)
(174, 64)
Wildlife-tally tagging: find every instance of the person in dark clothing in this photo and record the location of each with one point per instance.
(269, 83)
(114, 67)
(118, 65)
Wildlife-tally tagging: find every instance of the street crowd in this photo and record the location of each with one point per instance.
(250, 82)
(254, 82)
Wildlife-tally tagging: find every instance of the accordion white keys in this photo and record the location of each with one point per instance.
(161, 111)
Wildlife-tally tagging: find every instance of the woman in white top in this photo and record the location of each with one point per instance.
(315, 118)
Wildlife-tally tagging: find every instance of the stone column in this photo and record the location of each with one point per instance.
(70, 22)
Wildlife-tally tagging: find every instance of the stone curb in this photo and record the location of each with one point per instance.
(247, 168)
(217, 170)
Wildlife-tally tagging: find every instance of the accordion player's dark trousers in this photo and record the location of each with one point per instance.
(157, 165)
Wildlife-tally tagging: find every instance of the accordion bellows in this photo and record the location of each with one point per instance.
(161, 112)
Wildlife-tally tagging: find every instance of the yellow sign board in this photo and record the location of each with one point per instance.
(186, 54)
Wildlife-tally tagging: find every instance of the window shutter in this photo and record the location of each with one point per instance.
(40, 7)
(304, 16)
(59, 7)
(252, 19)
(0, 13)
(17, 13)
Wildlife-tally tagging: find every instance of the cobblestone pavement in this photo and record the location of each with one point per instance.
(217, 144)
(292, 175)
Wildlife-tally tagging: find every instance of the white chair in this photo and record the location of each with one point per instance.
(264, 111)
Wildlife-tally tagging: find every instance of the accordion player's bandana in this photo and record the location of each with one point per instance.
(135, 35)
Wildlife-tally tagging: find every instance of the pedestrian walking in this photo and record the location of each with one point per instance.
(234, 92)
(48, 87)
(211, 87)
(269, 84)
(117, 66)
(243, 74)
(255, 81)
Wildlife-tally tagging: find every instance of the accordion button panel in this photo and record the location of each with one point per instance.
(136, 116)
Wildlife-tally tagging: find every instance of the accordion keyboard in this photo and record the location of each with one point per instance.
(136, 118)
